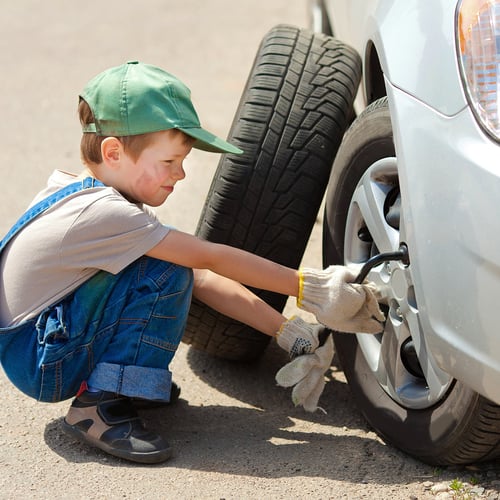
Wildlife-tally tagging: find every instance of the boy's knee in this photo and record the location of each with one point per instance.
(186, 273)
(185, 278)
(169, 277)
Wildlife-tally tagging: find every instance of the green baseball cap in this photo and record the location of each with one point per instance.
(137, 98)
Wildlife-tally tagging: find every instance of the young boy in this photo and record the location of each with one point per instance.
(95, 290)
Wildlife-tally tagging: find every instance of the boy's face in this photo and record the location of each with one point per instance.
(152, 177)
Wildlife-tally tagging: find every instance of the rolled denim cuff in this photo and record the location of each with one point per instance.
(132, 381)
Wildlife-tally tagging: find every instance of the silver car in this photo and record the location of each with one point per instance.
(419, 169)
(401, 96)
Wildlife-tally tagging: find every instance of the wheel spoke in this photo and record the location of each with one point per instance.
(370, 197)
(386, 361)
(397, 376)
(437, 380)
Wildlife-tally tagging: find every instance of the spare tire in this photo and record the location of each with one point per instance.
(290, 121)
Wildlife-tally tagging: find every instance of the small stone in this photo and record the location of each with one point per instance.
(445, 495)
(427, 485)
(439, 488)
(477, 490)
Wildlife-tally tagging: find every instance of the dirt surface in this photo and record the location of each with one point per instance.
(235, 434)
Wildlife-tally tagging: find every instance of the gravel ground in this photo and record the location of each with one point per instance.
(235, 434)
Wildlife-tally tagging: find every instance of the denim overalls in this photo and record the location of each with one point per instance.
(117, 332)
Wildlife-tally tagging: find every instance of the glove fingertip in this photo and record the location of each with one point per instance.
(374, 309)
(349, 274)
(375, 327)
(295, 371)
(311, 402)
(284, 381)
(372, 289)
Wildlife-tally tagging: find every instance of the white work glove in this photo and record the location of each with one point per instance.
(298, 337)
(307, 374)
(339, 303)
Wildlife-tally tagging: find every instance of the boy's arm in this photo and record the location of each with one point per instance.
(233, 263)
(330, 294)
(235, 301)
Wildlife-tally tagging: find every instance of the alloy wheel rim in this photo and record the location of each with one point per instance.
(398, 357)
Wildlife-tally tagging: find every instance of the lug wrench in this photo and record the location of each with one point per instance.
(401, 255)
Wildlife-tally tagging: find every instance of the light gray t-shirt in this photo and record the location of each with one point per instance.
(92, 230)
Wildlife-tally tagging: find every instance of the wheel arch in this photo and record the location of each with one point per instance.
(373, 78)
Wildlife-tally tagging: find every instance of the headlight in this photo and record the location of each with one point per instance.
(478, 41)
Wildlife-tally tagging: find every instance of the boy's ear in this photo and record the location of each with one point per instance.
(111, 151)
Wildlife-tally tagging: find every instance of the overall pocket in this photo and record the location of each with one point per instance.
(51, 327)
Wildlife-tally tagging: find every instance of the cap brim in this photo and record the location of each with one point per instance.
(207, 141)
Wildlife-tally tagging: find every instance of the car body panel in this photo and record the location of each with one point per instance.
(412, 38)
(449, 186)
(449, 177)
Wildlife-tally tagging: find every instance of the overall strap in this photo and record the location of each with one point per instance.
(46, 203)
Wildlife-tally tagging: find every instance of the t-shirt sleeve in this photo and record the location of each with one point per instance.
(109, 234)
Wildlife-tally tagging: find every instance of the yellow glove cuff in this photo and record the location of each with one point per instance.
(301, 289)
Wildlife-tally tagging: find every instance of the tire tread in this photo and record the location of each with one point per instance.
(290, 122)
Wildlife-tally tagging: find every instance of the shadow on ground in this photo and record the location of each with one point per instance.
(262, 435)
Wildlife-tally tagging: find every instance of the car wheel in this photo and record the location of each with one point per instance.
(395, 380)
(290, 121)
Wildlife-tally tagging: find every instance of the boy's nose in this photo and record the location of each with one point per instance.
(179, 172)
(176, 172)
